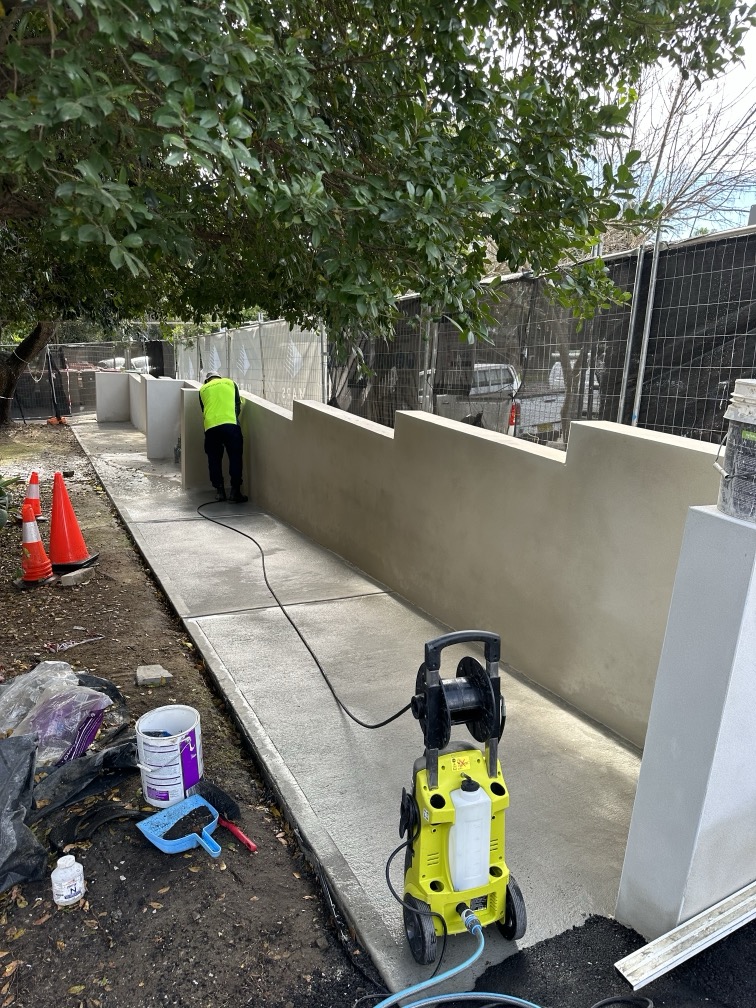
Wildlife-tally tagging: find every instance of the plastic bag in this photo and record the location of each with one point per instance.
(18, 698)
(89, 774)
(65, 721)
(22, 858)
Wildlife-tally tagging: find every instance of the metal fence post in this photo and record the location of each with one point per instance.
(262, 354)
(324, 362)
(426, 368)
(630, 332)
(646, 328)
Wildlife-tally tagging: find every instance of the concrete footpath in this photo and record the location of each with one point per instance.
(571, 784)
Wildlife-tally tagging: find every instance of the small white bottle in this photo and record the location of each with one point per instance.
(470, 836)
(67, 881)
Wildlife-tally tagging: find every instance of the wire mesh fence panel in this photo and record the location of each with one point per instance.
(537, 373)
(213, 354)
(187, 361)
(375, 378)
(540, 369)
(279, 362)
(702, 335)
(61, 378)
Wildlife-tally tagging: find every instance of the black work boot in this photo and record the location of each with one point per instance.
(237, 496)
(220, 493)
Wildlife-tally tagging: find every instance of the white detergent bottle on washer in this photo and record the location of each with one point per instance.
(470, 836)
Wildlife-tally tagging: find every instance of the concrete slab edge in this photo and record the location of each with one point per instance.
(347, 890)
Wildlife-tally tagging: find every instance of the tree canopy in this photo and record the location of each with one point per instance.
(316, 159)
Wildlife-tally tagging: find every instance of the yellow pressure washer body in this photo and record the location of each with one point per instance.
(432, 811)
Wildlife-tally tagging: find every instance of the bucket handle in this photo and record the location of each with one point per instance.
(723, 472)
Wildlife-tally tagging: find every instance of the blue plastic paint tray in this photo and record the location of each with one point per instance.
(156, 826)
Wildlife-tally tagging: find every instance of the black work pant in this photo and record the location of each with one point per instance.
(226, 436)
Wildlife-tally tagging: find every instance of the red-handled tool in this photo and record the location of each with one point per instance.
(241, 837)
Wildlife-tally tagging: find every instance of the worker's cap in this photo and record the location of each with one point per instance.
(211, 374)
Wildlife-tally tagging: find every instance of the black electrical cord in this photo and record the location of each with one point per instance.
(424, 913)
(298, 632)
(633, 1002)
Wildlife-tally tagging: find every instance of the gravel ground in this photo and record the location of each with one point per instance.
(154, 929)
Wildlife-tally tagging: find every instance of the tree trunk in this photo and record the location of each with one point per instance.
(13, 363)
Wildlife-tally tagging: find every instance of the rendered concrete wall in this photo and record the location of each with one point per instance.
(112, 395)
(193, 459)
(570, 557)
(162, 415)
(138, 400)
(691, 834)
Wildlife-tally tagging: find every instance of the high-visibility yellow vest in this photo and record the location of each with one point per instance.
(219, 402)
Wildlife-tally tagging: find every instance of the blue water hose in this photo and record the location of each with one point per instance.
(487, 998)
(472, 924)
(474, 929)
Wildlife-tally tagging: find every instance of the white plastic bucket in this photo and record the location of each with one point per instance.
(169, 747)
(737, 491)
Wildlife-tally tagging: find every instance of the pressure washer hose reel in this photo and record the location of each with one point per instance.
(454, 816)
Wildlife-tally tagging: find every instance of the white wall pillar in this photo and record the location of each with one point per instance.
(163, 412)
(112, 395)
(138, 400)
(691, 834)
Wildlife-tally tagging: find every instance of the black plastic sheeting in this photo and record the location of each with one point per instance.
(22, 857)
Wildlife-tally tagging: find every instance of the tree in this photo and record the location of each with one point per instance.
(315, 160)
(698, 147)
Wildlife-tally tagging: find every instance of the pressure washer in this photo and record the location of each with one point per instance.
(454, 815)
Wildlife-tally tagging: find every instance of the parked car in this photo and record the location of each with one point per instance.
(141, 364)
(491, 402)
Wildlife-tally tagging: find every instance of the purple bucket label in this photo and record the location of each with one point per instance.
(190, 766)
(158, 795)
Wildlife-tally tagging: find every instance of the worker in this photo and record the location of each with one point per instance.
(221, 406)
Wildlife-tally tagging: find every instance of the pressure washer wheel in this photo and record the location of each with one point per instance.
(421, 935)
(515, 920)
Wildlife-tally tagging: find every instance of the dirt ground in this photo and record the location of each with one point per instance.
(154, 928)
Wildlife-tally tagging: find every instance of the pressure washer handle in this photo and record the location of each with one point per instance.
(434, 648)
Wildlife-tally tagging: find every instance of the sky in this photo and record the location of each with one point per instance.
(738, 80)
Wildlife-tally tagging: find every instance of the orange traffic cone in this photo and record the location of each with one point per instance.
(32, 496)
(35, 563)
(68, 550)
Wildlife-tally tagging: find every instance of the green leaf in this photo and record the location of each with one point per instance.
(89, 233)
(35, 159)
(69, 110)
